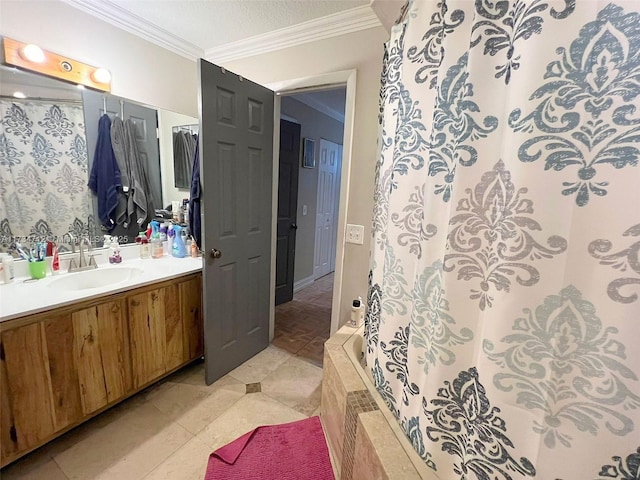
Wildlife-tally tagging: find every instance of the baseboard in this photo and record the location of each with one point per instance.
(305, 282)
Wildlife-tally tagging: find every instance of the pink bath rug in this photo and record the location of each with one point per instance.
(291, 451)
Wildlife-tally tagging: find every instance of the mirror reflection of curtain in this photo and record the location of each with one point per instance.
(184, 146)
(43, 172)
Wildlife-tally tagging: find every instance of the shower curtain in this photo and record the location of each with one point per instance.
(503, 311)
(43, 173)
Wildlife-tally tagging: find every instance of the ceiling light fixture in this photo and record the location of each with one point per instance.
(33, 53)
(101, 75)
(19, 95)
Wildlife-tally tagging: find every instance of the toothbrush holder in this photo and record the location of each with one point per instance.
(38, 269)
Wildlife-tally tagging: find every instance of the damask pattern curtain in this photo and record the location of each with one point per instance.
(43, 172)
(503, 313)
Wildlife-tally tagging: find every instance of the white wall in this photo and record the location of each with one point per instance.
(166, 121)
(362, 51)
(140, 70)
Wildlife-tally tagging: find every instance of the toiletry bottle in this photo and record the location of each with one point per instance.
(179, 250)
(356, 312)
(7, 264)
(156, 248)
(145, 249)
(114, 251)
(163, 237)
(195, 253)
(2, 255)
(55, 262)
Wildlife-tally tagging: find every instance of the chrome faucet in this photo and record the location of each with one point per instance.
(72, 241)
(83, 263)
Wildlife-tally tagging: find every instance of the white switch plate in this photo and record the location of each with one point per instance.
(355, 234)
(304, 209)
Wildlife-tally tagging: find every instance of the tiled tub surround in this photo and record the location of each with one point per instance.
(24, 296)
(364, 439)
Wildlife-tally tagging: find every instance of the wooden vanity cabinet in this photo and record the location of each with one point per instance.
(61, 367)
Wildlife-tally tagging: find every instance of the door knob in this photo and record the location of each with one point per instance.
(215, 253)
(294, 226)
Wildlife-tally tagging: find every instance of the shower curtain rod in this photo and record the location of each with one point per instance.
(40, 99)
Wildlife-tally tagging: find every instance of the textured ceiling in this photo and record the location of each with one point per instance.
(211, 23)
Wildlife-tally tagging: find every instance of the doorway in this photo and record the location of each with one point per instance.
(303, 320)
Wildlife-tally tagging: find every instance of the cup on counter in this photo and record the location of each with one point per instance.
(38, 269)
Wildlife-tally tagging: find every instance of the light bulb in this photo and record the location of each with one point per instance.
(19, 95)
(33, 53)
(101, 75)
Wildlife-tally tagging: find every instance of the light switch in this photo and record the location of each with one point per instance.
(355, 234)
(304, 209)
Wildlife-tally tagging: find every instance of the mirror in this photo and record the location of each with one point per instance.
(47, 146)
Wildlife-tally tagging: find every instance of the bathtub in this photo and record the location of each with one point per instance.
(365, 440)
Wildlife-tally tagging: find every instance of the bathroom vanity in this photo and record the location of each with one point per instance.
(71, 350)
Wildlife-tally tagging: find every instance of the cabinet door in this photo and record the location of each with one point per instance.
(173, 328)
(29, 384)
(65, 386)
(148, 335)
(101, 352)
(191, 312)
(8, 437)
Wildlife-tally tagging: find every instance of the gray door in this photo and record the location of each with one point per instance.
(287, 209)
(146, 122)
(236, 155)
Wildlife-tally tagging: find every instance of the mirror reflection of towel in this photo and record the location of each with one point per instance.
(184, 144)
(105, 179)
(194, 198)
(118, 142)
(140, 196)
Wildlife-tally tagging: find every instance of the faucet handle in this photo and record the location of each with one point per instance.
(73, 265)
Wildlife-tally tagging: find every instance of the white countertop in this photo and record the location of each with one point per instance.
(24, 296)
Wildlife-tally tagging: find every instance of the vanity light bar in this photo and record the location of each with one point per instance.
(33, 58)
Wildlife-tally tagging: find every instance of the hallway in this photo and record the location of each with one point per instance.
(303, 324)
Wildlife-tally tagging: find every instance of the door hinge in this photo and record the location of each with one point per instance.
(1, 351)
(157, 133)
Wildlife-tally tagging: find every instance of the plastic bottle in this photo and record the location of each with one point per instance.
(179, 250)
(195, 253)
(145, 249)
(55, 262)
(114, 251)
(164, 228)
(356, 312)
(7, 268)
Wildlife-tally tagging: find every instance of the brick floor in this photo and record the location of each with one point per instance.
(303, 324)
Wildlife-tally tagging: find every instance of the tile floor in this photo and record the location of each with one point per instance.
(169, 430)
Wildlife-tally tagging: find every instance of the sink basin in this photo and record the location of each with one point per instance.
(98, 278)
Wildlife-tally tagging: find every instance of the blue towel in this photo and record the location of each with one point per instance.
(194, 197)
(105, 180)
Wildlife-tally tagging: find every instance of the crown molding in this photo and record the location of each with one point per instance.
(348, 21)
(125, 20)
